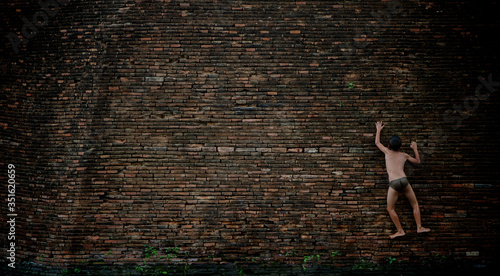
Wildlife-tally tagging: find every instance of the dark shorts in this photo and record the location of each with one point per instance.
(399, 184)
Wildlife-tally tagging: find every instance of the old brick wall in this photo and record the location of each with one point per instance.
(235, 129)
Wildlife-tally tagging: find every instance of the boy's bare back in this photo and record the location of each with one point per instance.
(395, 160)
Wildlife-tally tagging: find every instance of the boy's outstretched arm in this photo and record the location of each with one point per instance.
(379, 145)
(415, 160)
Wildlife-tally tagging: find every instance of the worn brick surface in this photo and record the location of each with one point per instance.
(246, 128)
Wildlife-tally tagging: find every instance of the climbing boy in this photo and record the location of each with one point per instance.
(395, 161)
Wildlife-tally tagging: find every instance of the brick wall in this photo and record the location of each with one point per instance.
(245, 129)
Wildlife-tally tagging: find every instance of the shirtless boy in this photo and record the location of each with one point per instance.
(395, 161)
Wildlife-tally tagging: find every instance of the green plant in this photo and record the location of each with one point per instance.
(364, 266)
(152, 254)
(291, 253)
(170, 256)
(309, 258)
(171, 253)
(160, 272)
(440, 258)
(173, 249)
(391, 260)
(186, 267)
(150, 251)
(334, 254)
(351, 85)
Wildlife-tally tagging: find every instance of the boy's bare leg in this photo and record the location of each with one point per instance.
(410, 194)
(392, 197)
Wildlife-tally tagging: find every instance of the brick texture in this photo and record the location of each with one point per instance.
(246, 129)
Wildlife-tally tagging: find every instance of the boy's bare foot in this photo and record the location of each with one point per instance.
(397, 234)
(423, 230)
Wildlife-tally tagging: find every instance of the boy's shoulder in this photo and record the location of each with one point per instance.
(397, 153)
(404, 154)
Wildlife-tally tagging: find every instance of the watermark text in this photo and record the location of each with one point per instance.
(11, 214)
(30, 28)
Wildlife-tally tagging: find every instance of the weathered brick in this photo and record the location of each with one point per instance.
(247, 127)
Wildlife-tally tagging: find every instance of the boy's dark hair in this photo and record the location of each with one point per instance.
(395, 143)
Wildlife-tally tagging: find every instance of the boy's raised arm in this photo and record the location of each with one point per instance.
(379, 145)
(415, 160)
